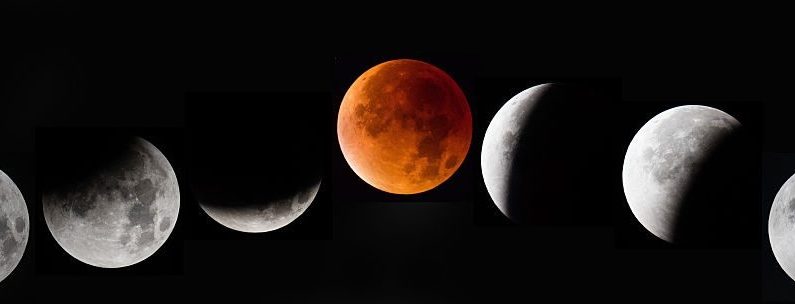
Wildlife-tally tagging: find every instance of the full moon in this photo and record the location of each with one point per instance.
(664, 160)
(404, 126)
(14, 225)
(119, 213)
(781, 227)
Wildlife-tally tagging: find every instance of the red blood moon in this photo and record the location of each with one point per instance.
(404, 126)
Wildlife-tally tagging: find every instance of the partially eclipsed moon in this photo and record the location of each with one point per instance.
(119, 215)
(781, 227)
(500, 145)
(404, 126)
(14, 226)
(262, 216)
(663, 158)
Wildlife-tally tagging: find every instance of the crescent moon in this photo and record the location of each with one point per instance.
(501, 143)
(263, 216)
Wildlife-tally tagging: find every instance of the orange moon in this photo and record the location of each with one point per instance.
(404, 126)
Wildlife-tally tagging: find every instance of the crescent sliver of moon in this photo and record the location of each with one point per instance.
(263, 216)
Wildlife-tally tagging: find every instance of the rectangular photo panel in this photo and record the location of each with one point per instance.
(257, 165)
(110, 201)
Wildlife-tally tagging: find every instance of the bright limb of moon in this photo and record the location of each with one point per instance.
(263, 217)
(501, 143)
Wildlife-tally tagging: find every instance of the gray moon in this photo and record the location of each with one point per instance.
(264, 216)
(781, 227)
(121, 214)
(14, 223)
(663, 158)
(501, 143)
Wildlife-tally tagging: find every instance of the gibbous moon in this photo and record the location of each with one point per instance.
(781, 227)
(119, 213)
(664, 159)
(14, 223)
(404, 126)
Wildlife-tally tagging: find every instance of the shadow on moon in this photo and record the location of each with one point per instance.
(255, 167)
(718, 209)
(109, 200)
(560, 157)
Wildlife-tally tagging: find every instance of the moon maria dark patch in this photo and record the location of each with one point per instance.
(145, 191)
(146, 238)
(9, 246)
(431, 171)
(428, 90)
(673, 165)
(141, 215)
(430, 148)
(4, 229)
(451, 162)
(409, 167)
(791, 210)
(20, 224)
(373, 117)
(165, 223)
(125, 238)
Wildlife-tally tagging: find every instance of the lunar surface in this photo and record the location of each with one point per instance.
(781, 227)
(261, 216)
(14, 225)
(664, 159)
(118, 214)
(501, 143)
(404, 126)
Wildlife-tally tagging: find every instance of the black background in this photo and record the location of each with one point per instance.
(74, 64)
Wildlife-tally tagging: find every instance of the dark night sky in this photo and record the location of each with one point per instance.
(449, 244)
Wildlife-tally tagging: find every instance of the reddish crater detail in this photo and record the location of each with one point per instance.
(404, 126)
